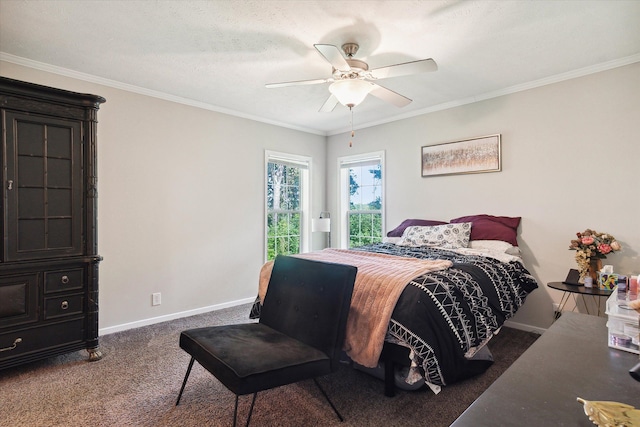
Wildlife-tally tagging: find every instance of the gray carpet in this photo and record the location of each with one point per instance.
(137, 382)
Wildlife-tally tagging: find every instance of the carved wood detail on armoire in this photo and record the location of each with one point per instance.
(48, 254)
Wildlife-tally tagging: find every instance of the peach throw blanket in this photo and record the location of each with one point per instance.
(379, 282)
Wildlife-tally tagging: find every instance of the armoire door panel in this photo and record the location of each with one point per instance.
(60, 233)
(31, 235)
(31, 138)
(60, 202)
(31, 203)
(59, 142)
(44, 206)
(30, 172)
(59, 172)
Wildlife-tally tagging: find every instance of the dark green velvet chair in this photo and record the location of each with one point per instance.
(299, 336)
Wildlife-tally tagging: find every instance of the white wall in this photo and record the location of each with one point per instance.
(180, 201)
(570, 161)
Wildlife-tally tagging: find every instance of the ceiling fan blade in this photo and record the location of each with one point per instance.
(334, 56)
(329, 104)
(298, 83)
(405, 69)
(389, 96)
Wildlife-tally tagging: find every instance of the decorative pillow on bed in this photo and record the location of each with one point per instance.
(447, 236)
(399, 230)
(489, 227)
(493, 245)
(393, 240)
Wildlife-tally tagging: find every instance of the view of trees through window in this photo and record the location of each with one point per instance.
(283, 210)
(365, 204)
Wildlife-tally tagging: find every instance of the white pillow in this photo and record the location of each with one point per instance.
(492, 245)
(393, 240)
(447, 236)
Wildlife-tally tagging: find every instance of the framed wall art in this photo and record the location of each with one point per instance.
(473, 155)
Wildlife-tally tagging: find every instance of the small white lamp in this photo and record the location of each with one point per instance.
(322, 224)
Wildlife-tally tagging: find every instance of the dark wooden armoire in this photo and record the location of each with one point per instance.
(48, 256)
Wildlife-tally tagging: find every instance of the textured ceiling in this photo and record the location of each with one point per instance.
(222, 53)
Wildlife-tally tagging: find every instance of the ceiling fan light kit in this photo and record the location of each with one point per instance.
(350, 92)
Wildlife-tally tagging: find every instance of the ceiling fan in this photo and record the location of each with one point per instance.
(352, 80)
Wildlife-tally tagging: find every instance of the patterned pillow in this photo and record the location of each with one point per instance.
(448, 236)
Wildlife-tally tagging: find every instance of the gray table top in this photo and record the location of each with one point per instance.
(571, 359)
(580, 289)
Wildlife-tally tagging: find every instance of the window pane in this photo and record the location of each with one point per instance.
(365, 187)
(355, 200)
(271, 221)
(283, 210)
(271, 248)
(354, 188)
(365, 203)
(283, 237)
(367, 176)
(293, 196)
(283, 187)
(282, 224)
(364, 229)
(272, 177)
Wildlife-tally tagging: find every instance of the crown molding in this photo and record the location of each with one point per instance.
(54, 69)
(506, 91)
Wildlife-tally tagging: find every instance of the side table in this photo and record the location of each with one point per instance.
(578, 292)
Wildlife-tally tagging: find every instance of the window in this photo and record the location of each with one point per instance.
(361, 199)
(287, 200)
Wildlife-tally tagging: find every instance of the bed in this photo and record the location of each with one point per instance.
(439, 323)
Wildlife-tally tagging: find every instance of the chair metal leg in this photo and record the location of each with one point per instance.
(251, 408)
(329, 400)
(235, 410)
(184, 382)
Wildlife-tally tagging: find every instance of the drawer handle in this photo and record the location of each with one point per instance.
(15, 344)
(65, 279)
(64, 305)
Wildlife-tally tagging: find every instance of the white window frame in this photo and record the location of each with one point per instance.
(304, 163)
(344, 163)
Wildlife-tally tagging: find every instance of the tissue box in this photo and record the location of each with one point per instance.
(623, 326)
(607, 281)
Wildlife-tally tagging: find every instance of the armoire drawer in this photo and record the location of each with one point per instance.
(41, 338)
(63, 280)
(66, 305)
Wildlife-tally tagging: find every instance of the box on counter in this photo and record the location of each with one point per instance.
(623, 325)
(607, 281)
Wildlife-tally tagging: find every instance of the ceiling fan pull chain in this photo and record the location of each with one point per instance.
(352, 132)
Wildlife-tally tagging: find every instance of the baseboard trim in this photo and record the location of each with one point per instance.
(172, 316)
(524, 327)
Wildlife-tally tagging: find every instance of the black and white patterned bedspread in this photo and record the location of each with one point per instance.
(445, 316)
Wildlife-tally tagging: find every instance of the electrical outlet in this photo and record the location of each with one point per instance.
(156, 298)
